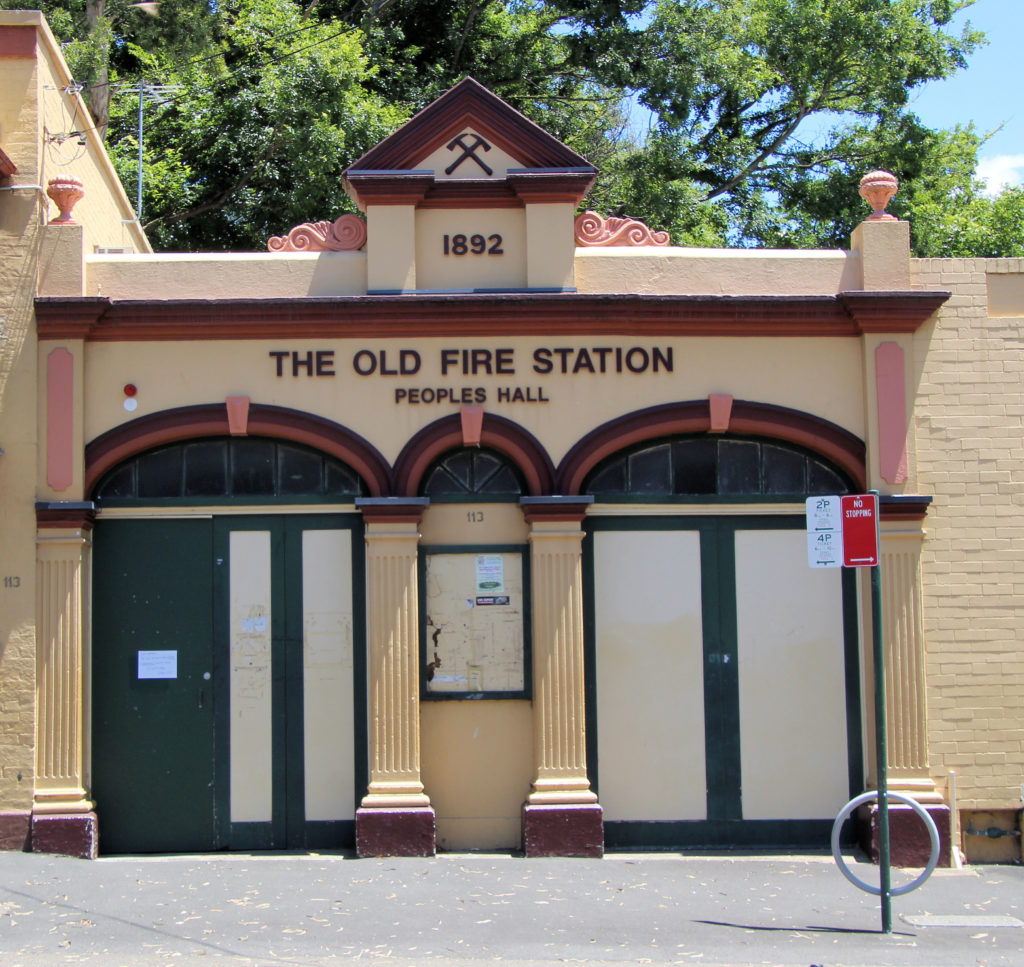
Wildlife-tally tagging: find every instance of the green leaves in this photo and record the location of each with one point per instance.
(761, 115)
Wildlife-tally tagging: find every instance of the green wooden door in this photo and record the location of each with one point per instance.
(225, 708)
(152, 699)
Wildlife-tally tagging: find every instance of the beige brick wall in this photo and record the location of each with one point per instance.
(20, 235)
(970, 448)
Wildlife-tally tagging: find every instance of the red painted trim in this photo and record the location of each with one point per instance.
(720, 405)
(464, 193)
(7, 167)
(60, 418)
(388, 188)
(66, 518)
(472, 418)
(555, 512)
(891, 398)
(205, 420)
(671, 419)
(834, 443)
(238, 415)
(18, 41)
(497, 433)
(401, 513)
(514, 314)
(892, 311)
(15, 831)
(906, 508)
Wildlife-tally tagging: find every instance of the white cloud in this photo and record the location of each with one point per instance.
(1000, 171)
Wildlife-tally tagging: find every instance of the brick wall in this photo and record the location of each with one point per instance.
(20, 235)
(970, 449)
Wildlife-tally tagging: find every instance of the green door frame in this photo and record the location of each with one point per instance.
(288, 828)
(725, 825)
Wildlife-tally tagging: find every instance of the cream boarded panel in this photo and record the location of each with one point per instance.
(650, 679)
(250, 679)
(792, 679)
(327, 616)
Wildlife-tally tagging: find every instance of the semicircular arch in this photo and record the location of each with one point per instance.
(506, 437)
(751, 419)
(209, 420)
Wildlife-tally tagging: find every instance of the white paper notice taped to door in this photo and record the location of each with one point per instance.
(158, 664)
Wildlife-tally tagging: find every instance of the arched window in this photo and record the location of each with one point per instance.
(472, 473)
(229, 467)
(714, 467)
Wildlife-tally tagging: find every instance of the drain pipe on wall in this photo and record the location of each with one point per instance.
(955, 853)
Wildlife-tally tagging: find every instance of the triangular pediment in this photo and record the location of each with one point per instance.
(468, 141)
(469, 106)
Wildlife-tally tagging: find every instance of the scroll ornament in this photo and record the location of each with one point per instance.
(345, 234)
(593, 229)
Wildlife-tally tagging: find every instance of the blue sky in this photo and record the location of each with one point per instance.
(988, 92)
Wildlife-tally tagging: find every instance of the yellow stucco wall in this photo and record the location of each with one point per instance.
(825, 380)
(34, 103)
(20, 236)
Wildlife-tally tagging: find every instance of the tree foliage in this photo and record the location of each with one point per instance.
(741, 122)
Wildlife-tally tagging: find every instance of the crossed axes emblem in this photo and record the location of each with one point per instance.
(468, 151)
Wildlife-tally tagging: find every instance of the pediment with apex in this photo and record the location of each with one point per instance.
(473, 140)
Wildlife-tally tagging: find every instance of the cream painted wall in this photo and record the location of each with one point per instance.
(497, 160)
(502, 230)
(792, 679)
(698, 271)
(650, 680)
(820, 376)
(477, 766)
(477, 756)
(227, 275)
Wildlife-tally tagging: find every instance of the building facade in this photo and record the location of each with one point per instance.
(474, 523)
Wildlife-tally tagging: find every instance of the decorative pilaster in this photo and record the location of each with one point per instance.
(905, 683)
(63, 820)
(562, 816)
(395, 818)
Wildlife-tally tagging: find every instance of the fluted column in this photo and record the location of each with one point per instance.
(903, 639)
(395, 817)
(63, 820)
(561, 815)
(906, 708)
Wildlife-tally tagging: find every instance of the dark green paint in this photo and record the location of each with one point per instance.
(152, 740)
(161, 749)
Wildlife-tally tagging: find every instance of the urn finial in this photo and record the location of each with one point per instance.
(877, 189)
(66, 191)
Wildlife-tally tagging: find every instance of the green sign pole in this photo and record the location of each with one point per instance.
(881, 753)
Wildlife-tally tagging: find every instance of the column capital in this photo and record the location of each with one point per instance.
(387, 510)
(903, 507)
(65, 514)
(555, 509)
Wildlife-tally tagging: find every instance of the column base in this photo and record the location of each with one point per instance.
(909, 844)
(395, 832)
(563, 830)
(67, 834)
(15, 831)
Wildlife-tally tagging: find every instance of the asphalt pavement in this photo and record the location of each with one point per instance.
(470, 910)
